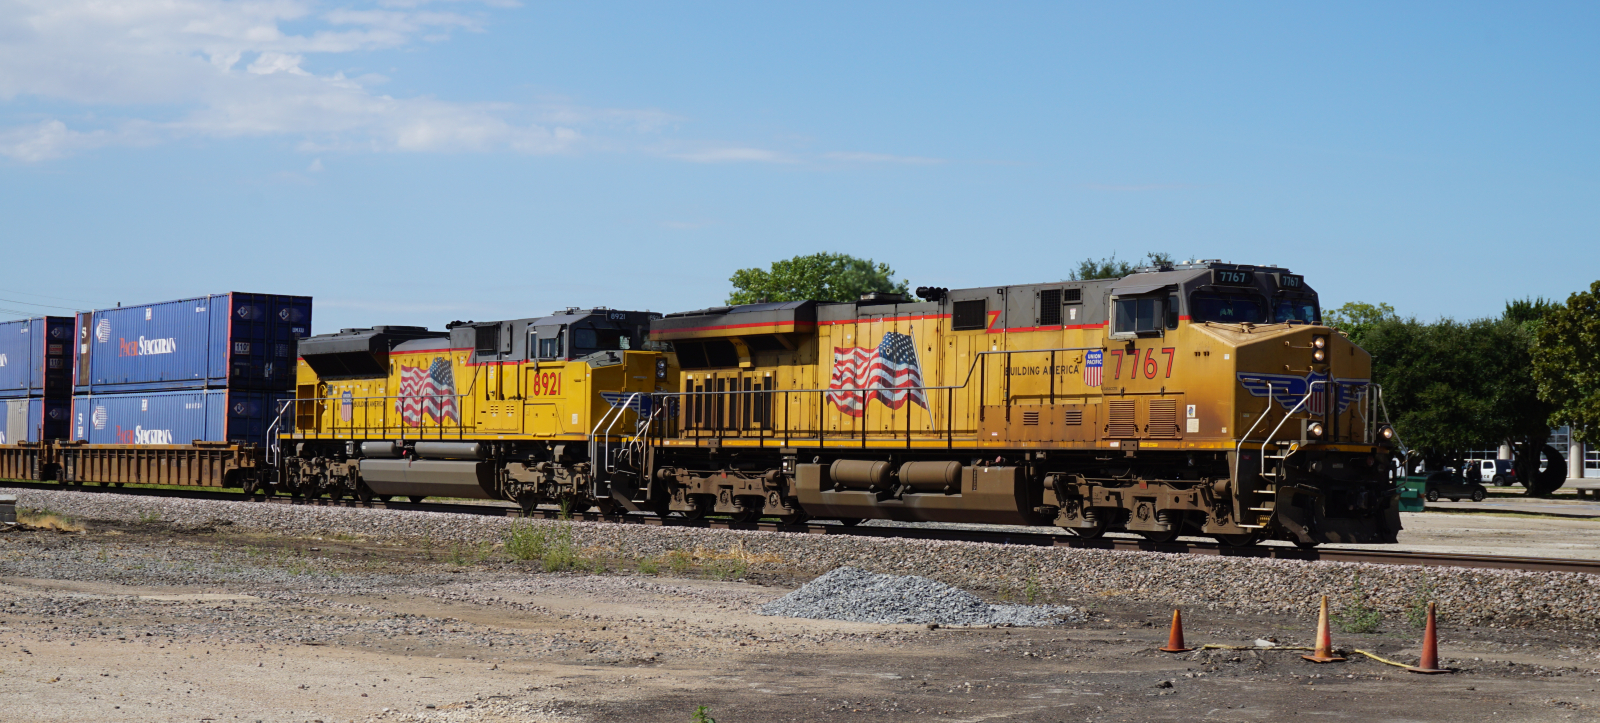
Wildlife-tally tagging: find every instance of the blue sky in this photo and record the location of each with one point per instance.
(418, 162)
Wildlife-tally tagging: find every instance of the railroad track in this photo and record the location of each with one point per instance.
(1037, 539)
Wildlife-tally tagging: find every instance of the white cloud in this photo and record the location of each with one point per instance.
(732, 155)
(852, 157)
(145, 71)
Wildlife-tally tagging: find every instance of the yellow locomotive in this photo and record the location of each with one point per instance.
(1203, 399)
(497, 410)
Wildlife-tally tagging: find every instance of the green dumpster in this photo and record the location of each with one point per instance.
(1411, 489)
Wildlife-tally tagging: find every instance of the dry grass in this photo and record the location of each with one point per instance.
(48, 520)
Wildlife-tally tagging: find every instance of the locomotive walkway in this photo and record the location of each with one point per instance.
(993, 536)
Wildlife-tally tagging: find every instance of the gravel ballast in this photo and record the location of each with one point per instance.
(1465, 595)
(859, 596)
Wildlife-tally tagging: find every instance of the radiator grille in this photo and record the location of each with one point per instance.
(1074, 417)
(1122, 424)
(1163, 418)
(969, 315)
(1050, 307)
(1030, 419)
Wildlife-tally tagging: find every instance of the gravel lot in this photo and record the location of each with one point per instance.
(165, 610)
(1465, 596)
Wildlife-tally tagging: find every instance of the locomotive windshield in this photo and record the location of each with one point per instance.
(590, 340)
(1295, 308)
(1227, 308)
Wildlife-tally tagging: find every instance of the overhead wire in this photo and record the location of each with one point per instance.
(46, 296)
(47, 306)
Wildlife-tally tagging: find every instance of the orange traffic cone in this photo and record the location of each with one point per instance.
(1175, 638)
(1430, 650)
(1324, 651)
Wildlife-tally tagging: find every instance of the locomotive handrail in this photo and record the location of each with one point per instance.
(1303, 399)
(1239, 448)
(962, 385)
(421, 428)
(950, 389)
(604, 446)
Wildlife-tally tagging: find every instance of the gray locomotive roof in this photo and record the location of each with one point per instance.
(742, 309)
(442, 342)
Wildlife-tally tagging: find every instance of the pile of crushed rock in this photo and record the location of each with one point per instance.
(855, 595)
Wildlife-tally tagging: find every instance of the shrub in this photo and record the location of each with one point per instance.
(1357, 616)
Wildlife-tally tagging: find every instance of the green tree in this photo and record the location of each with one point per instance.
(1566, 363)
(1113, 268)
(1453, 386)
(818, 277)
(1355, 318)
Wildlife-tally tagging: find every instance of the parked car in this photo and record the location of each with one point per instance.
(1496, 471)
(1452, 485)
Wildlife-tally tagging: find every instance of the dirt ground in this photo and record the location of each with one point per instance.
(147, 623)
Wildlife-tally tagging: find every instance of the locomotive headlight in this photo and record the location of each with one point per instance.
(1315, 430)
(1319, 341)
(1386, 431)
(661, 369)
(1319, 355)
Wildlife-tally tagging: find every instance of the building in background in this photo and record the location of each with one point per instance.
(1583, 460)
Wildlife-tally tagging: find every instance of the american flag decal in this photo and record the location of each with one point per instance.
(427, 392)
(1093, 365)
(890, 371)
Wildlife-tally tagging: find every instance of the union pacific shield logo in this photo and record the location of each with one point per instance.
(1093, 366)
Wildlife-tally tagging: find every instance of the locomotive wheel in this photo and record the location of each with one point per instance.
(335, 493)
(1157, 536)
(1306, 545)
(1248, 539)
(796, 518)
(1088, 533)
(747, 515)
(699, 507)
(363, 493)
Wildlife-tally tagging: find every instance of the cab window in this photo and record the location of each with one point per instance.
(1141, 315)
(587, 340)
(1289, 309)
(1228, 308)
(550, 344)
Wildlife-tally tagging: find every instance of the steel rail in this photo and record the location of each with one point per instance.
(1000, 537)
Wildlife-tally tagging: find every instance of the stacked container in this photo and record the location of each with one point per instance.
(35, 379)
(207, 369)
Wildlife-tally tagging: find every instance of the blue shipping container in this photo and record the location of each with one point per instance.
(184, 417)
(34, 420)
(234, 340)
(36, 358)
